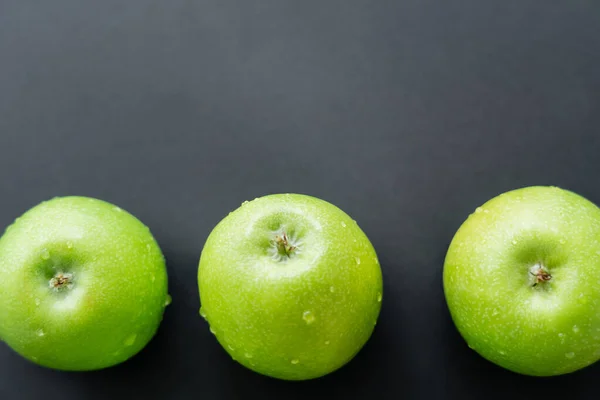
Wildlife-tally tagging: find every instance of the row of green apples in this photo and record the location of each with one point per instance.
(292, 288)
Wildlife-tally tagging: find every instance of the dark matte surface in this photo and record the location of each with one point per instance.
(406, 114)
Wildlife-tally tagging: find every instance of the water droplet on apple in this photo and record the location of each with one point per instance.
(575, 329)
(570, 355)
(327, 342)
(562, 241)
(514, 242)
(168, 300)
(212, 330)
(34, 358)
(130, 340)
(153, 278)
(478, 210)
(248, 355)
(486, 211)
(117, 209)
(295, 361)
(376, 261)
(245, 202)
(230, 347)
(379, 297)
(202, 313)
(332, 289)
(343, 224)
(40, 333)
(69, 245)
(45, 254)
(149, 247)
(308, 317)
(37, 301)
(502, 352)
(357, 259)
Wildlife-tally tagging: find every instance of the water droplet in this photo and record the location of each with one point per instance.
(376, 261)
(575, 329)
(37, 301)
(34, 358)
(308, 317)
(471, 346)
(248, 355)
(327, 342)
(357, 259)
(514, 242)
(149, 247)
(562, 241)
(502, 352)
(486, 211)
(153, 278)
(212, 330)
(202, 313)
(40, 332)
(332, 289)
(561, 335)
(230, 347)
(570, 355)
(168, 300)
(343, 224)
(478, 210)
(130, 340)
(69, 245)
(117, 209)
(379, 297)
(45, 254)
(245, 202)
(295, 361)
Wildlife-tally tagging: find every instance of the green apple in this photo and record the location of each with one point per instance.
(522, 281)
(290, 286)
(83, 285)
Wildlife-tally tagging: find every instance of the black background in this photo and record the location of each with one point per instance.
(406, 114)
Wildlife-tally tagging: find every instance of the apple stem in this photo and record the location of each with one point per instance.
(61, 281)
(284, 247)
(540, 274)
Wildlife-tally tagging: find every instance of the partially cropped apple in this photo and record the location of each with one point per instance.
(83, 284)
(522, 281)
(290, 285)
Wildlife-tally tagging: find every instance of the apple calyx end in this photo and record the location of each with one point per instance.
(282, 243)
(61, 281)
(539, 274)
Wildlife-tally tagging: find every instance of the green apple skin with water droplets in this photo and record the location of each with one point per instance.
(522, 281)
(83, 287)
(290, 285)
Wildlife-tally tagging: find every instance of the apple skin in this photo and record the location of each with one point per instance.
(541, 329)
(297, 317)
(117, 292)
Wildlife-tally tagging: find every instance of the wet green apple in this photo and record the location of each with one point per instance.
(290, 285)
(83, 285)
(522, 281)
